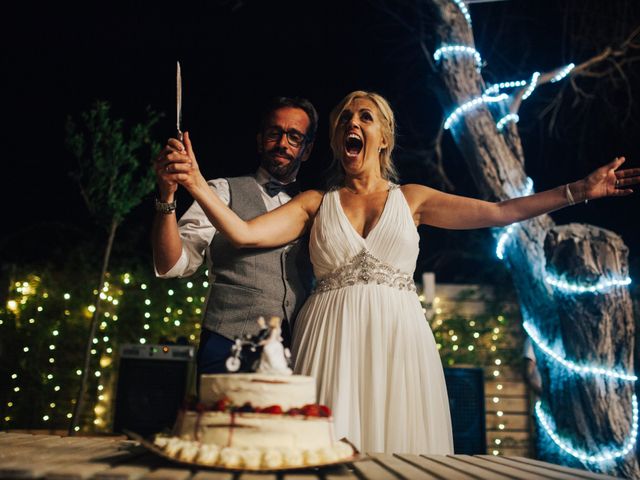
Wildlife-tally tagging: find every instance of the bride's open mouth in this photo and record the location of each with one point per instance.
(353, 145)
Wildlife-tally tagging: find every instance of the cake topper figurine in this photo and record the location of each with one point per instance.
(262, 353)
(274, 358)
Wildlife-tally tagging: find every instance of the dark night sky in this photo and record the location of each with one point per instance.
(61, 59)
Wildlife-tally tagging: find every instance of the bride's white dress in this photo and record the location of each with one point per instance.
(364, 337)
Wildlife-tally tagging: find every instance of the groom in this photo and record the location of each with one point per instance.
(244, 283)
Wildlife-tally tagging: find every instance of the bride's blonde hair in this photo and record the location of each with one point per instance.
(388, 124)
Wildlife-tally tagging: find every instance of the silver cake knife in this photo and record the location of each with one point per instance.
(179, 100)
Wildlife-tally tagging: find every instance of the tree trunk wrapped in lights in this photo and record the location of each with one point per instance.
(587, 413)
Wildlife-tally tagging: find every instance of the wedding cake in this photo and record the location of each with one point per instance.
(267, 419)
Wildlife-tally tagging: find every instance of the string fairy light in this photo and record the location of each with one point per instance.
(506, 233)
(502, 240)
(602, 285)
(608, 454)
(471, 105)
(574, 367)
(458, 50)
(563, 73)
(510, 117)
(495, 88)
(533, 83)
(463, 8)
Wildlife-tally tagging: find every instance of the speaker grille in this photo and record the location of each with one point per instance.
(465, 387)
(149, 394)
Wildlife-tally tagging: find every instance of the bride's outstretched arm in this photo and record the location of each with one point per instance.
(432, 207)
(273, 229)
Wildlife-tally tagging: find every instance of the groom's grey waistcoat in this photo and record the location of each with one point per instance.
(250, 282)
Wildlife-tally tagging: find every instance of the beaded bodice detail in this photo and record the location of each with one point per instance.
(341, 257)
(364, 268)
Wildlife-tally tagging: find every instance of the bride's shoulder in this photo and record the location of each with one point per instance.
(313, 194)
(311, 199)
(415, 189)
(417, 195)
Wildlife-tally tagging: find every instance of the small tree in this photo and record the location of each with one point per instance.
(113, 180)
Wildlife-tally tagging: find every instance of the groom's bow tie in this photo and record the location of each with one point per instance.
(273, 188)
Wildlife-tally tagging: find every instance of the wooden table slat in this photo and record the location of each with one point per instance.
(114, 457)
(34, 442)
(123, 472)
(168, 474)
(212, 475)
(401, 467)
(575, 471)
(494, 467)
(258, 476)
(541, 471)
(23, 469)
(371, 470)
(455, 462)
(301, 476)
(76, 471)
(442, 471)
(346, 475)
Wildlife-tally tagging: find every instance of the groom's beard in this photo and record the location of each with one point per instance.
(277, 169)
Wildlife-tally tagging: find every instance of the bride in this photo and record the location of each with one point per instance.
(362, 333)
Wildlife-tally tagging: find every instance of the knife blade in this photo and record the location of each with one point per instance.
(179, 101)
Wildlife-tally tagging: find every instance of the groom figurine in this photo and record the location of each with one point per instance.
(243, 283)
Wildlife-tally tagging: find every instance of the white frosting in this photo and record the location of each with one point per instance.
(189, 451)
(312, 457)
(272, 458)
(208, 454)
(254, 458)
(293, 457)
(260, 390)
(230, 457)
(257, 430)
(251, 458)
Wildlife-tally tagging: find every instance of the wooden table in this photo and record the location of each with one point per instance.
(106, 458)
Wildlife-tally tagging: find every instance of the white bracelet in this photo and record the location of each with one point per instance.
(567, 193)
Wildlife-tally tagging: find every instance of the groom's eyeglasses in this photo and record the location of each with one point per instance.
(295, 138)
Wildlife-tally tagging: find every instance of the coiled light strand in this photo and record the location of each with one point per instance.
(580, 369)
(532, 85)
(466, 107)
(601, 286)
(496, 87)
(563, 73)
(463, 8)
(510, 117)
(502, 240)
(458, 50)
(581, 454)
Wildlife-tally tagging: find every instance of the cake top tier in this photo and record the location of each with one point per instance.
(259, 390)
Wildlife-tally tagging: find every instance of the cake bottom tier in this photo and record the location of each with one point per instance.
(253, 440)
(257, 430)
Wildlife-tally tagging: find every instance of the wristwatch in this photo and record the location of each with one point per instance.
(165, 207)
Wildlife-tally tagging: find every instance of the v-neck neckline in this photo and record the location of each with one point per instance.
(375, 225)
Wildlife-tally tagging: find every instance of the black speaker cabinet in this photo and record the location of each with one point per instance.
(152, 384)
(465, 387)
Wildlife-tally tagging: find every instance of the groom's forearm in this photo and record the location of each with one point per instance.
(165, 241)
